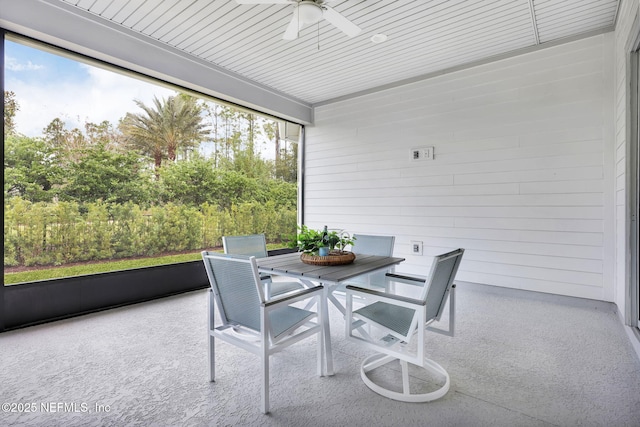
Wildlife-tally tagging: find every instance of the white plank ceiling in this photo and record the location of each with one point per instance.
(424, 37)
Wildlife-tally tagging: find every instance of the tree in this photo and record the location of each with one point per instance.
(286, 153)
(287, 165)
(10, 108)
(109, 176)
(164, 128)
(250, 133)
(272, 131)
(214, 114)
(67, 142)
(282, 194)
(192, 182)
(31, 168)
(197, 181)
(103, 134)
(234, 188)
(229, 135)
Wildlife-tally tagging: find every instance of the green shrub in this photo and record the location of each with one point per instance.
(58, 233)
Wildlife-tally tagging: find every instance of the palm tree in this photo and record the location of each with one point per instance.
(164, 128)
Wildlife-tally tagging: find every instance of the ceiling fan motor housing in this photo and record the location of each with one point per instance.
(309, 12)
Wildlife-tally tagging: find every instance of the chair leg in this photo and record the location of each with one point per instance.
(265, 384)
(452, 309)
(265, 361)
(212, 358)
(405, 377)
(378, 360)
(322, 354)
(212, 342)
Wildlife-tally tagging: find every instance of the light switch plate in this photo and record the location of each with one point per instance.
(422, 153)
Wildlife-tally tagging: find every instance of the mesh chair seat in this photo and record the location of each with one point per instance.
(287, 318)
(393, 317)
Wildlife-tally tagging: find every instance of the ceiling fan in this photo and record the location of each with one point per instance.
(306, 12)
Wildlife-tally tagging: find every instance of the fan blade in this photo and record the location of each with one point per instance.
(340, 22)
(291, 33)
(264, 1)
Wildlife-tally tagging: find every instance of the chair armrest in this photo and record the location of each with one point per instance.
(356, 289)
(403, 278)
(293, 295)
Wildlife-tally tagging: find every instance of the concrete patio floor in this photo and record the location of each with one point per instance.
(518, 359)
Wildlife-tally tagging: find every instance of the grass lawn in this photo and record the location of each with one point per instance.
(103, 267)
(95, 267)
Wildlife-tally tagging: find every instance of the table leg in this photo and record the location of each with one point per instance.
(327, 330)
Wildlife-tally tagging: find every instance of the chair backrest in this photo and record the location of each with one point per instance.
(373, 245)
(366, 244)
(250, 245)
(440, 280)
(236, 287)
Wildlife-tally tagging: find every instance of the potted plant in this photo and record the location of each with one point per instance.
(310, 241)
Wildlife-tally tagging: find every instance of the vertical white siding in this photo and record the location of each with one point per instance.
(518, 180)
(626, 16)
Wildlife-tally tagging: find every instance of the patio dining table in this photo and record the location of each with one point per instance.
(330, 276)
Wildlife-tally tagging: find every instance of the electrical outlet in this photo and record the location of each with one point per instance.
(416, 154)
(416, 247)
(427, 153)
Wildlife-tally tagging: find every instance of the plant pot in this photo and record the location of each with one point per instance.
(335, 257)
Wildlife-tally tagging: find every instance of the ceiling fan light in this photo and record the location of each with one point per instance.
(379, 38)
(309, 12)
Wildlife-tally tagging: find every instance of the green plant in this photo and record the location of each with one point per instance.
(47, 233)
(310, 241)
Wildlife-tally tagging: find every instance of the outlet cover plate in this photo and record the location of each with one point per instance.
(416, 247)
(427, 153)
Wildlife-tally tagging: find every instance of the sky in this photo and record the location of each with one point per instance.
(49, 86)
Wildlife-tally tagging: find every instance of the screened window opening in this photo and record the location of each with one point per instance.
(105, 170)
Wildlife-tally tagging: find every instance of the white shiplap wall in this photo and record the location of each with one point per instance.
(519, 178)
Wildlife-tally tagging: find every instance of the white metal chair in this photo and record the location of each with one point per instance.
(394, 320)
(256, 245)
(367, 245)
(253, 322)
